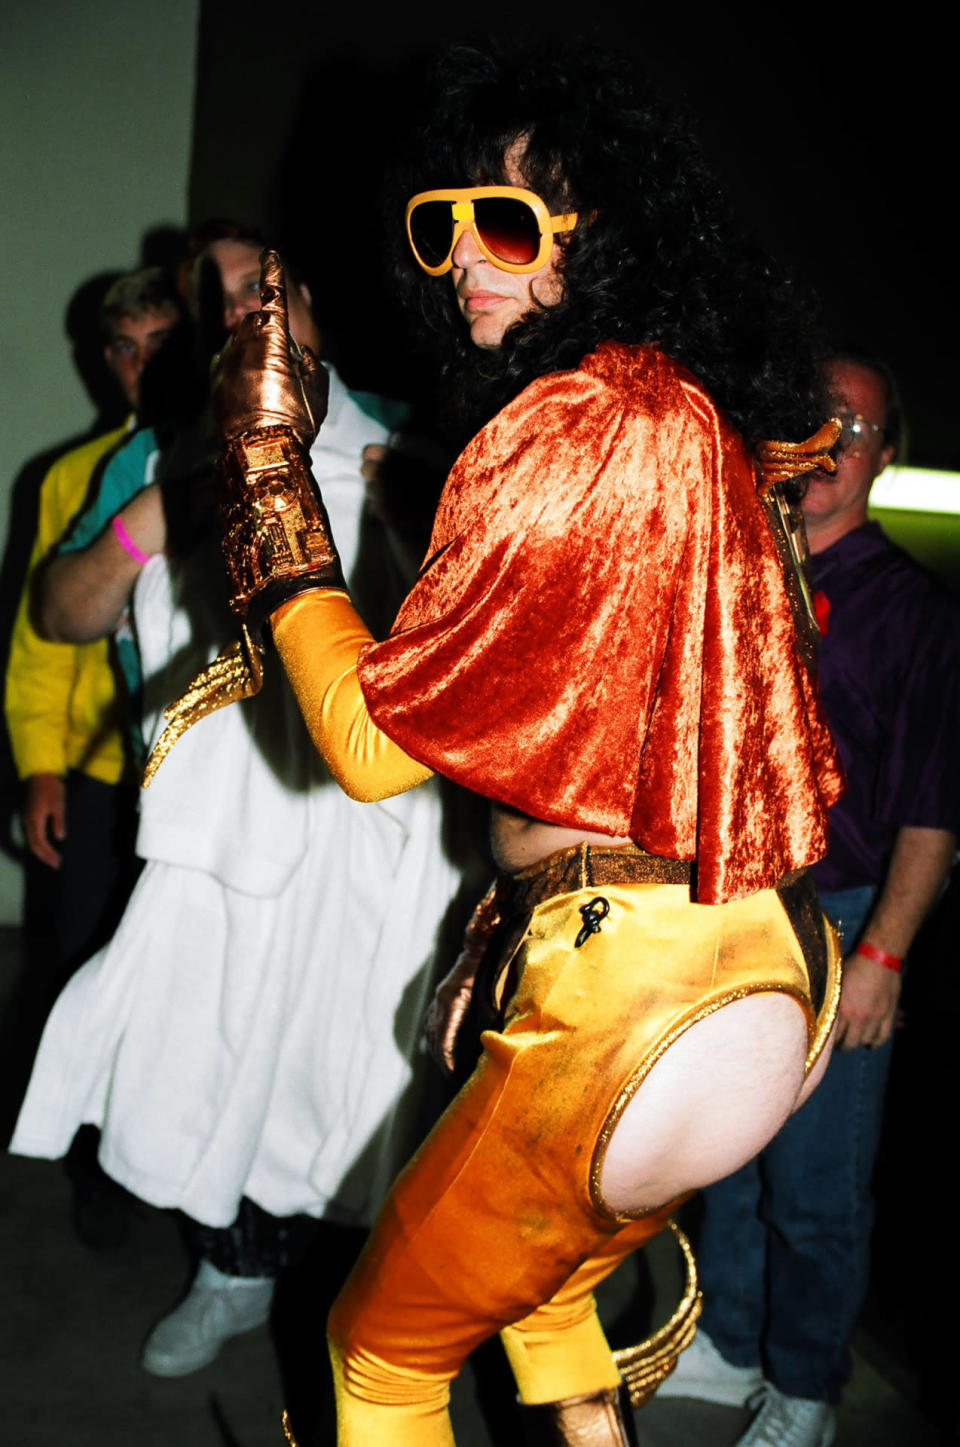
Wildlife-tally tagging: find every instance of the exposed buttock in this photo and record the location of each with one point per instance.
(587, 1021)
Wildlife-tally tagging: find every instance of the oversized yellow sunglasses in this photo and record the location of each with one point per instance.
(511, 226)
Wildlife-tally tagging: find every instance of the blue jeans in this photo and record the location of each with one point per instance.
(784, 1251)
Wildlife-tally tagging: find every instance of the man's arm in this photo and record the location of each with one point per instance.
(85, 593)
(45, 680)
(39, 682)
(871, 992)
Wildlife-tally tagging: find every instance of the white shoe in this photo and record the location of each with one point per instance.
(702, 1372)
(216, 1308)
(784, 1421)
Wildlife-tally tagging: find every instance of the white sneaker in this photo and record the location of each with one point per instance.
(702, 1372)
(216, 1308)
(784, 1421)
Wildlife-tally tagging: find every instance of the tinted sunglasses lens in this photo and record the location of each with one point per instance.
(508, 228)
(431, 228)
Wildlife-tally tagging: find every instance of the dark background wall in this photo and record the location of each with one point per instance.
(833, 133)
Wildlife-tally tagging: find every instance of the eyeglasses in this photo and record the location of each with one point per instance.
(511, 226)
(856, 434)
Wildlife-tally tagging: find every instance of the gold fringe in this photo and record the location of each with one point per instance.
(287, 1432)
(781, 461)
(795, 534)
(645, 1366)
(236, 672)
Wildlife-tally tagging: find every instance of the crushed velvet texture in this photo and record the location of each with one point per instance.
(601, 635)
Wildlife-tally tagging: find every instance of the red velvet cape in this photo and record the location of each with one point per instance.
(601, 635)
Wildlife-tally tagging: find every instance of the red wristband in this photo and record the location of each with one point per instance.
(879, 957)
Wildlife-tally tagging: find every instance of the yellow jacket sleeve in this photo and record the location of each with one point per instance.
(60, 698)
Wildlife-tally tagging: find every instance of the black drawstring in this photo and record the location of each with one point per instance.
(593, 915)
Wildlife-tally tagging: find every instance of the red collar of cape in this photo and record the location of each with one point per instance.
(601, 635)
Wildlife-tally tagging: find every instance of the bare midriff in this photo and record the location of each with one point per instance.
(518, 840)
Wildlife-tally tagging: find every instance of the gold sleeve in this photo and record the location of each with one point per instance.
(319, 636)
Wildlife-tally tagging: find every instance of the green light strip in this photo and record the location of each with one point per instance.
(917, 489)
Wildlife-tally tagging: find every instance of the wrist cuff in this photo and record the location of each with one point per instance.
(276, 536)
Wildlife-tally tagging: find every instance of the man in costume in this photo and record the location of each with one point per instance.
(785, 1245)
(602, 642)
(245, 1039)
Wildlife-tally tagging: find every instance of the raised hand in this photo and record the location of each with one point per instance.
(262, 378)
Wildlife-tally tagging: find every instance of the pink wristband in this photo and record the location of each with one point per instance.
(879, 957)
(126, 542)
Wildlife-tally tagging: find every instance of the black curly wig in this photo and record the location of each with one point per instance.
(660, 261)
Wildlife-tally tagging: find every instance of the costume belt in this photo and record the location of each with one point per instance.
(588, 866)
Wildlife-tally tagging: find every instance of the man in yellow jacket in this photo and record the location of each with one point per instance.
(64, 716)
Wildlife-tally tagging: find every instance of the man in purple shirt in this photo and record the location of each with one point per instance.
(784, 1249)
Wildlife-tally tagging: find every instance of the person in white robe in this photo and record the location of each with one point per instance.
(247, 1034)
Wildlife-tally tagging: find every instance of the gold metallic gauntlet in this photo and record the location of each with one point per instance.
(276, 534)
(276, 543)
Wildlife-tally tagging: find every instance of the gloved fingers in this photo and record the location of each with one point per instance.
(261, 378)
(315, 382)
(309, 364)
(272, 324)
(442, 1026)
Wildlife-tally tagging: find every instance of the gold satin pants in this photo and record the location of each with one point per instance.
(497, 1223)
